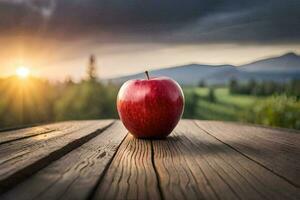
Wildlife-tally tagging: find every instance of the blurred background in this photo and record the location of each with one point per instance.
(237, 60)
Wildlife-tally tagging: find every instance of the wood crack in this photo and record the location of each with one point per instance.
(159, 187)
(248, 157)
(27, 171)
(25, 137)
(217, 173)
(199, 160)
(91, 195)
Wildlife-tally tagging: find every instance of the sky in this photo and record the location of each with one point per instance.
(54, 38)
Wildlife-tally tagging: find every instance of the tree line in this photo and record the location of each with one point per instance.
(35, 100)
(265, 88)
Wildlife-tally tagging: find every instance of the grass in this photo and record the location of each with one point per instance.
(226, 107)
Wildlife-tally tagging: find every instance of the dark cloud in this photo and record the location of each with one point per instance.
(173, 21)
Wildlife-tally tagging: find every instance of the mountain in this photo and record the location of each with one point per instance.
(286, 63)
(186, 74)
(278, 69)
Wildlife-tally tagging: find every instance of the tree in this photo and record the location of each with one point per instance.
(292, 88)
(190, 110)
(202, 83)
(233, 85)
(211, 95)
(92, 69)
(252, 86)
(69, 81)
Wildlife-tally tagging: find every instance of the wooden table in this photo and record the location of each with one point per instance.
(199, 160)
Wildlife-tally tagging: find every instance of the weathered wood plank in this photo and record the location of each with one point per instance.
(194, 165)
(10, 149)
(131, 174)
(200, 160)
(276, 149)
(13, 135)
(22, 158)
(75, 175)
(180, 177)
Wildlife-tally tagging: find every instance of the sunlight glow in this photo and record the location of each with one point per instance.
(22, 72)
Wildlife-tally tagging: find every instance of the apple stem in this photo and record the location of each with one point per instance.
(147, 74)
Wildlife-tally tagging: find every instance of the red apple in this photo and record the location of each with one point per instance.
(150, 108)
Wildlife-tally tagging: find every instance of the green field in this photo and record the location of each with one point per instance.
(225, 107)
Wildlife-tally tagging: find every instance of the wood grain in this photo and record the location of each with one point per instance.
(74, 175)
(131, 174)
(194, 165)
(22, 158)
(200, 160)
(13, 135)
(276, 149)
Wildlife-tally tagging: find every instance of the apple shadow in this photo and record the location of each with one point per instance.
(198, 145)
(152, 138)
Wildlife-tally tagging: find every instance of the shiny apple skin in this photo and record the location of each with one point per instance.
(150, 108)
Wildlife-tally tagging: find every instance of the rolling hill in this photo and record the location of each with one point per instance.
(278, 69)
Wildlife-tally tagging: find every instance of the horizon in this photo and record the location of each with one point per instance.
(82, 76)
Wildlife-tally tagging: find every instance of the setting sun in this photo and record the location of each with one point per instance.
(22, 72)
